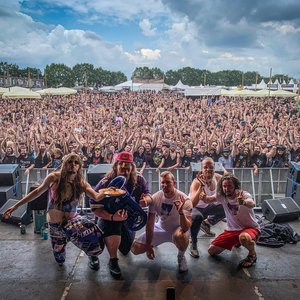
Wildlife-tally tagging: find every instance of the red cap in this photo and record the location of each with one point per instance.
(125, 157)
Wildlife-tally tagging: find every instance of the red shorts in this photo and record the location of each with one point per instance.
(228, 239)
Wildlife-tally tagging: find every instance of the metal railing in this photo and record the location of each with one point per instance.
(268, 184)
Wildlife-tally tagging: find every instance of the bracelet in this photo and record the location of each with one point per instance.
(244, 202)
(181, 214)
(112, 217)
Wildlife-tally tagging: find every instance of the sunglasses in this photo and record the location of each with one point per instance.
(76, 162)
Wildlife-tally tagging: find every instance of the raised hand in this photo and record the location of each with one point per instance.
(179, 204)
(239, 195)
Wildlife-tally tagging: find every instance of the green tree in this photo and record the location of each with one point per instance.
(59, 75)
(172, 77)
(84, 74)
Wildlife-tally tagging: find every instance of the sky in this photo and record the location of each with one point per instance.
(120, 35)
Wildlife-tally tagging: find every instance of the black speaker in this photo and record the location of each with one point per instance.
(293, 190)
(294, 173)
(9, 174)
(7, 192)
(40, 203)
(20, 215)
(280, 210)
(196, 167)
(96, 172)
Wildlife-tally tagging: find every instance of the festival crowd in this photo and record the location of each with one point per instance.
(161, 129)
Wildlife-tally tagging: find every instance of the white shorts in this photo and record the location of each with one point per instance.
(160, 236)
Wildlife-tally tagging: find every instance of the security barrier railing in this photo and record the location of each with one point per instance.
(268, 184)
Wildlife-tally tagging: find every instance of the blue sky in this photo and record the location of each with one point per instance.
(121, 35)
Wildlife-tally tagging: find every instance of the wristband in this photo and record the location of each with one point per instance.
(244, 202)
(181, 214)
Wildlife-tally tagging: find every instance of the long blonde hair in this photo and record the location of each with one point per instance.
(78, 183)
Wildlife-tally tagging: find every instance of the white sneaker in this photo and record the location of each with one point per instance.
(182, 265)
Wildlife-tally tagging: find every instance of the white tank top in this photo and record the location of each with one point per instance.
(208, 192)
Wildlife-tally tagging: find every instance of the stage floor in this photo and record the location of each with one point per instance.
(28, 271)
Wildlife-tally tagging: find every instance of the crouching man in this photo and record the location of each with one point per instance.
(173, 210)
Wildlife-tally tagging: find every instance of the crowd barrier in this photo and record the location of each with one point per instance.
(268, 184)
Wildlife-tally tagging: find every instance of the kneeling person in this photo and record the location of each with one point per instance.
(173, 209)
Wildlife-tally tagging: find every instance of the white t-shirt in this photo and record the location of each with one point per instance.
(238, 216)
(169, 218)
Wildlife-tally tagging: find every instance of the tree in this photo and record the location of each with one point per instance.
(59, 75)
(172, 77)
(84, 74)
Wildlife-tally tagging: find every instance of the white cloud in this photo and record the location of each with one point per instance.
(146, 27)
(230, 56)
(144, 56)
(284, 28)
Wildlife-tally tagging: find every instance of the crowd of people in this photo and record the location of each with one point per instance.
(161, 129)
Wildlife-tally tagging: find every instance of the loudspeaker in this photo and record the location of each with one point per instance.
(196, 167)
(293, 190)
(20, 215)
(295, 172)
(40, 203)
(280, 210)
(96, 172)
(9, 174)
(7, 192)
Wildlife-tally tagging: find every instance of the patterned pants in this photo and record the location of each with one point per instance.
(58, 242)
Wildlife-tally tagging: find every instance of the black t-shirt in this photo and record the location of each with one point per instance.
(213, 155)
(260, 160)
(186, 160)
(9, 159)
(139, 159)
(25, 161)
(241, 161)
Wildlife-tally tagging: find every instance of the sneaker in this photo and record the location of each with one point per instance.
(182, 265)
(114, 268)
(206, 229)
(194, 250)
(94, 262)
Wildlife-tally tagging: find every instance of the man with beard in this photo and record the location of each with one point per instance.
(9, 156)
(169, 220)
(226, 159)
(204, 215)
(258, 160)
(116, 234)
(242, 227)
(24, 160)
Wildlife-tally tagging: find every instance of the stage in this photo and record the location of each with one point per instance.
(28, 271)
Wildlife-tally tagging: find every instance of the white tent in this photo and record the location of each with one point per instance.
(3, 90)
(153, 87)
(58, 91)
(204, 91)
(128, 85)
(17, 92)
(282, 93)
(180, 86)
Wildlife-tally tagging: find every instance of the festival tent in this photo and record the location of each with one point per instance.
(17, 92)
(180, 86)
(3, 90)
(204, 91)
(262, 93)
(58, 91)
(153, 87)
(133, 86)
(282, 93)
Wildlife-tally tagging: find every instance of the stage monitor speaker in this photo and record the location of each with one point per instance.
(280, 210)
(20, 215)
(295, 172)
(8, 192)
(293, 190)
(196, 167)
(9, 174)
(40, 203)
(96, 172)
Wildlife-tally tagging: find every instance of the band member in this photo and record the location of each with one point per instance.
(204, 215)
(173, 209)
(65, 190)
(116, 234)
(242, 226)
